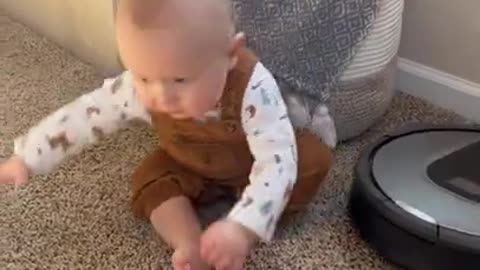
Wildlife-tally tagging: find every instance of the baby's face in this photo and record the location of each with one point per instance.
(175, 70)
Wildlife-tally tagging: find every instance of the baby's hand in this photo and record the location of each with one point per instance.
(14, 171)
(225, 245)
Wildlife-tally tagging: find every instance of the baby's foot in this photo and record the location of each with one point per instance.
(323, 126)
(188, 258)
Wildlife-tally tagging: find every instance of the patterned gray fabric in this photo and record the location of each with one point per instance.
(305, 43)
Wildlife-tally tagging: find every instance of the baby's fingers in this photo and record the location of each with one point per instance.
(226, 263)
(16, 187)
(15, 175)
(5, 176)
(237, 264)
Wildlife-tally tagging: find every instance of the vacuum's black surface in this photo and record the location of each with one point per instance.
(416, 197)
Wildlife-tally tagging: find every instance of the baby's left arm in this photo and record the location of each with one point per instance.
(272, 141)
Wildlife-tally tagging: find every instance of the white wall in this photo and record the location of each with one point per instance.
(85, 27)
(440, 54)
(443, 34)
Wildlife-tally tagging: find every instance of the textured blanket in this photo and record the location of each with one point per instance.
(305, 43)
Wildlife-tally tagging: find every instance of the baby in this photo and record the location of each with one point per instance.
(220, 118)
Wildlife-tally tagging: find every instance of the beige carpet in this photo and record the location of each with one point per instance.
(78, 217)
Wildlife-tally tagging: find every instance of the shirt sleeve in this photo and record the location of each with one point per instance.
(83, 121)
(272, 142)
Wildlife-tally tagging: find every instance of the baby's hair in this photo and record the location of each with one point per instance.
(144, 13)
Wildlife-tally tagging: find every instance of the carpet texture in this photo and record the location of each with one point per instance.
(78, 217)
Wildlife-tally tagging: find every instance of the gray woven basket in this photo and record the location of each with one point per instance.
(358, 104)
(365, 91)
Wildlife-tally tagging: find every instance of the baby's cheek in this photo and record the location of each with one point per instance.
(146, 100)
(139, 93)
(192, 103)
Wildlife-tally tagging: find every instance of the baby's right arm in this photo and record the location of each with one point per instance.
(83, 121)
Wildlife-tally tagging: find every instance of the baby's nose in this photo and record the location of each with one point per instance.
(160, 105)
(164, 96)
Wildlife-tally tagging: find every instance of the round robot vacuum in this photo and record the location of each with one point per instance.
(416, 197)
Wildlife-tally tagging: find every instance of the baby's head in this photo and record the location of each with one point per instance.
(179, 52)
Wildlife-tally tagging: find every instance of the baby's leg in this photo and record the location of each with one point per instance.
(176, 222)
(314, 163)
(161, 193)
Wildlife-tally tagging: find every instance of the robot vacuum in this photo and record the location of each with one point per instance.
(416, 197)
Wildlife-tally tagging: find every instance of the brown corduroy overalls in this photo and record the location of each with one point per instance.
(193, 153)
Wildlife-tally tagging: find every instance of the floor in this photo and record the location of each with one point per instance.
(78, 217)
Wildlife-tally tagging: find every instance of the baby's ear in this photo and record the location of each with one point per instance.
(238, 43)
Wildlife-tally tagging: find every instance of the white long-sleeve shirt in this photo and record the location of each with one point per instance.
(107, 109)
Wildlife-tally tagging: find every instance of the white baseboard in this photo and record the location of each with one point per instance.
(439, 88)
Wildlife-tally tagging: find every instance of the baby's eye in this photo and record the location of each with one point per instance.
(144, 80)
(180, 80)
